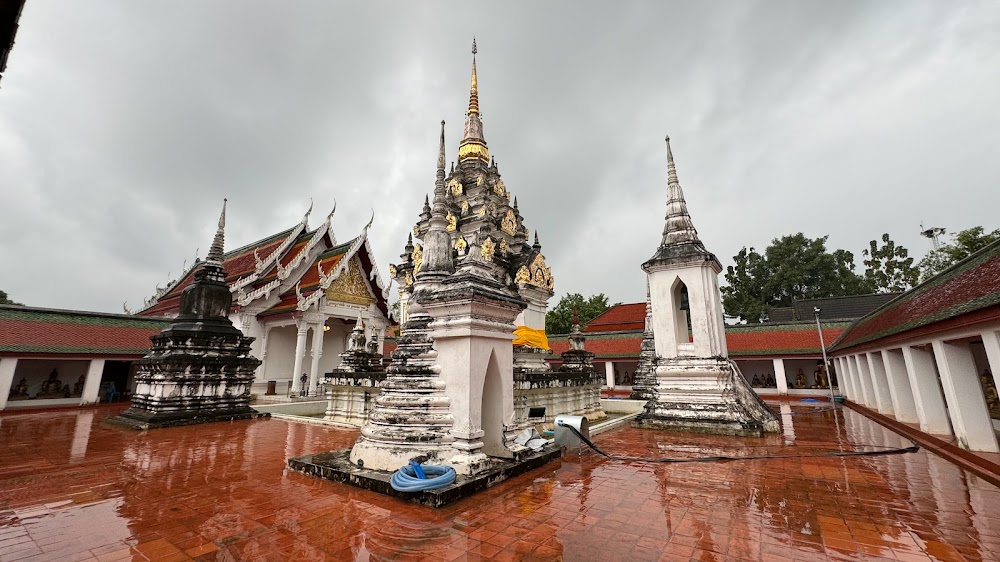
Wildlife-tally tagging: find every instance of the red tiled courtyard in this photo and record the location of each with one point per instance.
(72, 488)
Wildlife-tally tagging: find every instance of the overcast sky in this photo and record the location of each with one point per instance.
(123, 124)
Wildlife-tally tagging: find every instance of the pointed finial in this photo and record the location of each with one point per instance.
(453, 166)
(671, 167)
(333, 210)
(474, 90)
(360, 324)
(515, 202)
(216, 250)
(441, 160)
(537, 244)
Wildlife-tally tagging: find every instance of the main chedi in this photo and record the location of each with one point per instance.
(692, 386)
(468, 282)
(200, 368)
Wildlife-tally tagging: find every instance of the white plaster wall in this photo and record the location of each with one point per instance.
(333, 346)
(280, 355)
(707, 324)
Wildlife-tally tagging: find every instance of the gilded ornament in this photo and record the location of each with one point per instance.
(350, 287)
(482, 212)
(465, 207)
(418, 257)
(452, 222)
(455, 186)
(523, 276)
(409, 280)
(509, 223)
(488, 249)
(499, 188)
(503, 246)
(392, 270)
(481, 179)
(491, 208)
(416, 231)
(461, 244)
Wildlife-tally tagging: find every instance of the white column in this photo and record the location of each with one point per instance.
(779, 375)
(317, 352)
(966, 404)
(92, 384)
(860, 366)
(300, 350)
(7, 367)
(81, 436)
(926, 391)
(843, 378)
(899, 384)
(609, 374)
(882, 393)
(991, 341)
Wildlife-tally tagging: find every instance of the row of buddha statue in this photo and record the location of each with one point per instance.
(51, 388)
(801, 381)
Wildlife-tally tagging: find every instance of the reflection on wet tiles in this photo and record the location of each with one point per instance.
(71, 486)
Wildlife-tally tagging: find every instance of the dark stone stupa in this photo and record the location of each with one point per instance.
(200, 368)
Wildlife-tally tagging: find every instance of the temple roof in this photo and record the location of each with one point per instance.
(831, 308)
(46, 331)
(965, 294)
(10, 13)
(744, 341)
(630, 316)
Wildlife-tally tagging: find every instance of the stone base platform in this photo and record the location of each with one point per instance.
(688, 426)
(143, 419)
(336, 466)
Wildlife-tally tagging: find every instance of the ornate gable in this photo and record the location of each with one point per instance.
(350, 287)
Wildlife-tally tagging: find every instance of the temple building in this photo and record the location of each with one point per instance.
(298, 293)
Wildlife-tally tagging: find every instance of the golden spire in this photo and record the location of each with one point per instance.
(474, 90)
(473, 144)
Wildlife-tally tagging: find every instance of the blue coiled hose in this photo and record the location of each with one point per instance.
(415, 478)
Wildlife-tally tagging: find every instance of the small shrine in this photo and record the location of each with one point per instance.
(693, 386)
(200, 368)
(351, 388)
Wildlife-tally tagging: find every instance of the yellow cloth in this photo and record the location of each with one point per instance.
(524, 335)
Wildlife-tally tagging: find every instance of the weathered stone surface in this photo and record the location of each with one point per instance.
(337, 467)
(200, 368)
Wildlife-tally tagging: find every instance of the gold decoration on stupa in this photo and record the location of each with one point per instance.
(350, 287)
(481, 179)
(409, 279)
(461, 244)
(537, 273)
(491, 208)
(488, 249)
(455, 186)
(499, 188)
(452, 222)
(392, 270)
(465, 206)
(482, 212)
(418, 257)
(503, 246)
(416, 231)
(509, 223)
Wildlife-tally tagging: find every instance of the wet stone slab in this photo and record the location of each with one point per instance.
(336, 466)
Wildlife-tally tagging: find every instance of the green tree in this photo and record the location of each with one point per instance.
(559, 320)
(792, 267)
(5, 300)
(889, 267)
(963, 245)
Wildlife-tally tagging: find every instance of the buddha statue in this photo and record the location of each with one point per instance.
(756, 381)
(990, 392)
(20, 390)
(800, 379)
(78, 387)
(769, 381)
(820, 377)
(52, 386)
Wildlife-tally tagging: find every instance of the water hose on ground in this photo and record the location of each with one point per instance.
(417, 478)
(913, 448)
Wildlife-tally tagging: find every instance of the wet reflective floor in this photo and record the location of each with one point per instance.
(73, 488)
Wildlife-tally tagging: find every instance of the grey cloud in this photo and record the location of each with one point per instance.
(123, 125)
